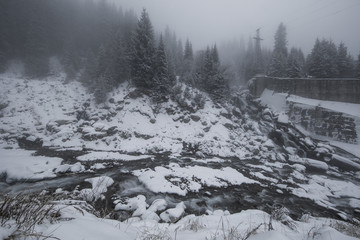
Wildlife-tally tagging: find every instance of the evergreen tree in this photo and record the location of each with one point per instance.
(103, 86)
(296, 64)
(249, 64)
(357, 69)
(116, 52)
(161, 79)
(70, 60)
(90, 74)
(36, 46)
(278, 65)
(188, 52)
(143, 54)
(187, 72)
(4, 35)
(211, 77)
(344, 61)
(322, 61)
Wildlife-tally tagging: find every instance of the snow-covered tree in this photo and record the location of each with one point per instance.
(322, 61)
(143, 53)
(278, 65)
(211, 76)
(296, 63)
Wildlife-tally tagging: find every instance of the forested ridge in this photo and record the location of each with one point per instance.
(103, 45)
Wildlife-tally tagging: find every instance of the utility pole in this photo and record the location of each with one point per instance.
(259, 64)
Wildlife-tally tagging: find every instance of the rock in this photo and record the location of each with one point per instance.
(153, 120)
(186, 120)
(207, 129)
(158, 205)
(143, 136)
(229, 126)
(315, 165)
(195, 118)
(199, 154)
(236, 113)
(111, 100)
(30, 143)
(172, 215)
(226, 115)
(112, 130)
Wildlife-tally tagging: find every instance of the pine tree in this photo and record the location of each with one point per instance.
(161, 78)
(116, 52)
(103, 86)
(357, 69)
(278, 65)
(344, 61)
(4, 35)
(70, 59)
(90, 74)
(188, 52)
(187, 75)
(249, 64)
(296, 64)
(143, 54)
(36, 46)
(322, 61)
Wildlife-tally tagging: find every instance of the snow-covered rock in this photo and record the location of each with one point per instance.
(173, 214)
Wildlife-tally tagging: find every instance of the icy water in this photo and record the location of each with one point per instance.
(275, 185)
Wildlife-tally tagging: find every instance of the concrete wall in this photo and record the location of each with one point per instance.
(332, 89)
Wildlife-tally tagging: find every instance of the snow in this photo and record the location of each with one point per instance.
(99, 186)
(181, 180)
(74, 168)
(20, 164)
(93, 156)
(84, 225)
(173, 214)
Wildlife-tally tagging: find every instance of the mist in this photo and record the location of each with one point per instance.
(205, 22)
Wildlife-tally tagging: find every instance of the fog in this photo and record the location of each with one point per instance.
(208, 21)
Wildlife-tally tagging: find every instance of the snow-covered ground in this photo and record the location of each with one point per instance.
(77, 223)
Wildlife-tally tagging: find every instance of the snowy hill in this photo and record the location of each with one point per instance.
(66, 116)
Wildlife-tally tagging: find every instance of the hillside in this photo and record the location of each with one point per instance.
(66, 116)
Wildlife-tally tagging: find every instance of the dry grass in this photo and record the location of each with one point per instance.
(25, 211)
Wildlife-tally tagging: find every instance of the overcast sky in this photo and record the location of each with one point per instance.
(208, 21)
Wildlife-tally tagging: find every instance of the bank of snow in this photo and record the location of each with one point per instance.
(77, 223)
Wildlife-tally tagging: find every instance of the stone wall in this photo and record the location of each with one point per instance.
(324, 122)
(331, 89)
